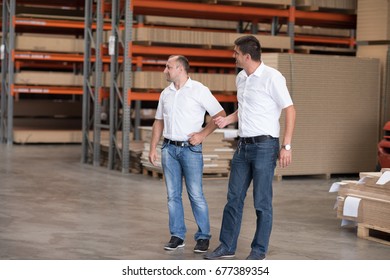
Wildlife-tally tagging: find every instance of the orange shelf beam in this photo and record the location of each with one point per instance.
(202, 10)
(43, 56)
(27, 55)
(230, 12)
(47, 90)
(154, 96)
(20, 21)
(325, 40)
(194, 52)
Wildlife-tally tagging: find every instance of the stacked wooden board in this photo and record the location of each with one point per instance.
(373, 20)
(135, 151)
(350, 5)
(373, 41)
(367, 203)
(203, 38)
(337, 104)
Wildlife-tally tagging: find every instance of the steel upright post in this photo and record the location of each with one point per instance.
(291, 26)
(98, 83)
(127, 77)
(4, 66)
(115, 95)
(7, 75)
(11, 74)
(87, 87)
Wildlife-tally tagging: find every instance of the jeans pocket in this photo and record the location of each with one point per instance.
(196, 149)
(163, 145)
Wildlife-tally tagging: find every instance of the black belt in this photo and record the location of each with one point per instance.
(254, 139)
(177, 143)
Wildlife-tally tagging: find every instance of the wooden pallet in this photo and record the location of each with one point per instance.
(152, 172)
(374, 233)
(159, 174)
(213, 176)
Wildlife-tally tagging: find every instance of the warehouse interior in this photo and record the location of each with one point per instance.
(81, 80)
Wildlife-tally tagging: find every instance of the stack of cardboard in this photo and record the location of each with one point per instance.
(373, 40)
(367, 203)
(157, 81)
(49, 43)
(223, 25)
(203, 38)
(217, 152)
(328, 4)
(337, 112)
(373, 20)
(267, 2)
(135, 151)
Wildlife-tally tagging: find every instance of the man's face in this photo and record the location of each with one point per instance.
(172, 70)
(239, 57)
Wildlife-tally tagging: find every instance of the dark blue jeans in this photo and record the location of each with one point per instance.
(255, 162)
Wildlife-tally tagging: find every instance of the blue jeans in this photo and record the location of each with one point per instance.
(255, 162)
(187, 162)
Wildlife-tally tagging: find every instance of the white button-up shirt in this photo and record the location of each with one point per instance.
(183, 110)
(261, 98)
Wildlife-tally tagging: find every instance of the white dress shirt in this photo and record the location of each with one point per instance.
(183, 110)
(261, 98)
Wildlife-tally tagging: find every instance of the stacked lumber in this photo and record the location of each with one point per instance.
(203, 38)
(157, 80)
(217, 152)
(224, 24)
(135, 151)
(349, 5)
(373, 41)
(49, 43)
(366, 202)
(330, 137)
(373, 20)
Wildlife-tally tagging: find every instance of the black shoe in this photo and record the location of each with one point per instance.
(174, 243)
(202, 245)
(255, 256)
(220, 253)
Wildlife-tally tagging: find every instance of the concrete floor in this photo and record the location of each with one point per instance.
(54, 207)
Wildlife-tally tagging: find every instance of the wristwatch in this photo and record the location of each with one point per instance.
(287, 147)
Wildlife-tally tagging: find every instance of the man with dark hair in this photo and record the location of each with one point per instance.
(262, 96)
(179, 118)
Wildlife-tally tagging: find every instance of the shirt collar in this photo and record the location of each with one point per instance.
(187, 84)
(259, 69)
(257, 72)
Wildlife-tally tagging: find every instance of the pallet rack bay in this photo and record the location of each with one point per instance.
(127, 57)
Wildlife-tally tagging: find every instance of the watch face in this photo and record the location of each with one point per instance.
(287, 147)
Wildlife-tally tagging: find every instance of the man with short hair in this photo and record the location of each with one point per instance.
(262, 95)
(179, 118)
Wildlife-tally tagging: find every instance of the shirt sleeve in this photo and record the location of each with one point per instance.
(159, 112)
(210, 103)
(280, 91)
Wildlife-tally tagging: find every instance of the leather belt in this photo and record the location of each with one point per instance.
(254, 139)
(177, 143)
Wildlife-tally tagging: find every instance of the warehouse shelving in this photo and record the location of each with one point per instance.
(276, 17)
(130, 57)
(14, 22)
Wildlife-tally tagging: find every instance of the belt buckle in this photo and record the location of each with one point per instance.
(182, 144)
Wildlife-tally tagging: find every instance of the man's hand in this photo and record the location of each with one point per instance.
(153, 156)
(285, 158)
(221, 122)
(196, 138)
